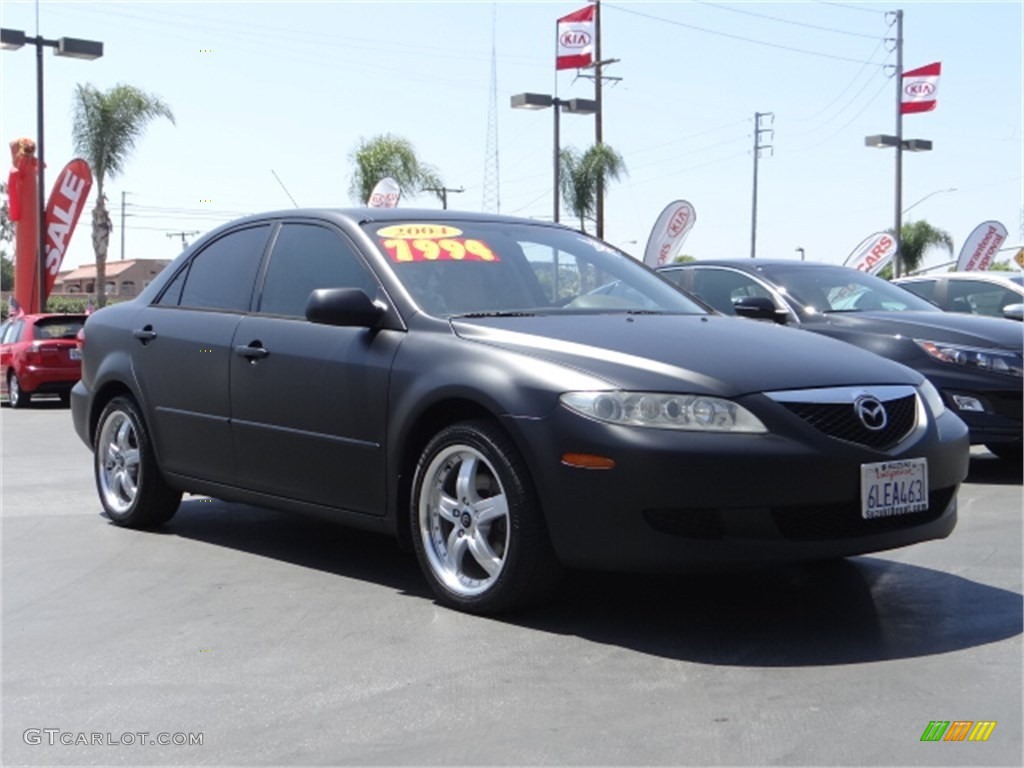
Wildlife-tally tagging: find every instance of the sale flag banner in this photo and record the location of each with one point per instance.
(874, 252)
(385, 194)
(981, 246)
(575, 39)
(671, 228)
(919, 89)
(65, 205)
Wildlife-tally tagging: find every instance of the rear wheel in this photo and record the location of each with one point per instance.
(19, 398)
(477, 526)
(1007, 451)
(131, 488)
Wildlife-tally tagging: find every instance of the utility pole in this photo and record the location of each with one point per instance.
(898, 212)
(758, 146)
(123, 193)
(182, 235)
(443, 192)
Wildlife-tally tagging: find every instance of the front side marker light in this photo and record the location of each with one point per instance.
(587, 461)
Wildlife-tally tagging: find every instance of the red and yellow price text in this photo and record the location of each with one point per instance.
(443, 249)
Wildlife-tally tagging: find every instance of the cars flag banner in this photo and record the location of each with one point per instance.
(671, 228)
(67, 200)
(920, 87)
(23, 206)
(981, 246)
(576, 39)
(385, 194)
(874, 252)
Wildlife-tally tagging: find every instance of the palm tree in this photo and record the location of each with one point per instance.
(389, 155)
(106, 128)
(916, 238)
(582, 174)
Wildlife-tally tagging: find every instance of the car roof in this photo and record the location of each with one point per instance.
(751, 264)
(1010, 277)
(358, 216)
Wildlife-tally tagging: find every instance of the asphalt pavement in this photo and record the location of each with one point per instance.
(241, 636)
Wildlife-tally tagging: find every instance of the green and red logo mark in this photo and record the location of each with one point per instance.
(958, 730)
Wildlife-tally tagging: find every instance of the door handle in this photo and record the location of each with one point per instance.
(251, 352)
(145, 335)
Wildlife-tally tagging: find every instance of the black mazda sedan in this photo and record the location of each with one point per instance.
(976, 362)
(454, 380)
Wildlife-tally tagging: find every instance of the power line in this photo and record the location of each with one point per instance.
(720, 7)
(777, 46)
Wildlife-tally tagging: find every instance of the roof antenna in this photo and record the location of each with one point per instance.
(284, 188)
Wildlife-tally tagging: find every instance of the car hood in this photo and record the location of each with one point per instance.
(950, 327)
(707, 354)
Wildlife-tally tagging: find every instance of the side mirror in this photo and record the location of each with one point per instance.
(760, 308)
(349, 307)
(1014, 312)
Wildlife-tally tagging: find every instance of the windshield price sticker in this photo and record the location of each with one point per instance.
(893, 488)
(445, 249)
(419, 231)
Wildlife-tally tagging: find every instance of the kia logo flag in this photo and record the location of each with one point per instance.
(385, 194)
(65, 205)
(919, 89)
(575, 47)
(980, 247)
(671, 228)
(873, 253)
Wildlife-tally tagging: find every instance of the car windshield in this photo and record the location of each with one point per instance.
(842, 289)
(515, 268)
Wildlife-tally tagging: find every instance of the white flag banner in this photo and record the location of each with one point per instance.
(575, 47)
(671, 228)
(981, 246)
(385, 194)
(874, 252)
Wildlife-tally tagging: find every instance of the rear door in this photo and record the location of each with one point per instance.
(181, 354)
(309, 401)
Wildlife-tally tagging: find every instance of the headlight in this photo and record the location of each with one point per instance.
(995, 360)
(933, 398)
(698, 413)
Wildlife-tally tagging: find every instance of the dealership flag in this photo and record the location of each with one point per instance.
(920, 87)
(576, 39)
(63, 208)
(873, 253)
(980, 247)
(668, 233)
(385, 194)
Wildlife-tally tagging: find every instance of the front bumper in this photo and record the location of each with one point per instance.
(676, 500)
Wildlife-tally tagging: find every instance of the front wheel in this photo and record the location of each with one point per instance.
(133, 492)
(477, 526)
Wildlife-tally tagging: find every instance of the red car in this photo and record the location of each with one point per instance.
(40, 354)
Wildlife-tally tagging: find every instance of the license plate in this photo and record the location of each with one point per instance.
(75, 353)
(893, 488)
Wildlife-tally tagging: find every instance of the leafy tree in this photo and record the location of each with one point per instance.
(583, 173)
(682, 258)
(105, 130)
(1002, 266)
(916, 238)
(6, 240)
(389, 155)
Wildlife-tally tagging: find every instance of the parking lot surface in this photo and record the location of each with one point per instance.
(279, 640)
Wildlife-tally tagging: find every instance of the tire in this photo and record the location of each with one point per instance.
(133, 492)
(1007, 451)
(19, 398)
(477, 526)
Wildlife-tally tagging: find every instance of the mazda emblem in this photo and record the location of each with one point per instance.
(871, 412)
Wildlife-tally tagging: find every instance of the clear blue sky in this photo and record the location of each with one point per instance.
(292, 87)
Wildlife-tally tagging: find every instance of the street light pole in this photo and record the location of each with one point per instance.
(898, 208)
(71, 47)
(930, 194)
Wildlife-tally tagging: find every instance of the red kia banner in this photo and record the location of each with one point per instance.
(65, 205)
(873, 253)
(23, 204)
(920, 87)
(671, 228)
(575, 39)
(981, 246)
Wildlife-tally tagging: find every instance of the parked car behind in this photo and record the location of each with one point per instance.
(39, 354)
(996, 294)
(976, 362)
(448, 378)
